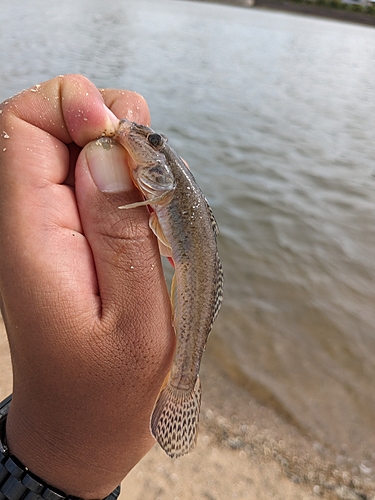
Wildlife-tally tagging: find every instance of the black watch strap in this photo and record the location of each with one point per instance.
(17, 482)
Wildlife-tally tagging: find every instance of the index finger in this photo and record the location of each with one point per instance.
(72, 109)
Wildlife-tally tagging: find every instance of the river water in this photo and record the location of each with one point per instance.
(276, 115)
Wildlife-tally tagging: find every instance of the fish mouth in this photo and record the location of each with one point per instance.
(123, 129)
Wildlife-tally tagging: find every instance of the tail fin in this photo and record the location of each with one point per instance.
(174, 421)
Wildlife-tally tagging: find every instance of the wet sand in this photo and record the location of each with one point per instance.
(244, 451)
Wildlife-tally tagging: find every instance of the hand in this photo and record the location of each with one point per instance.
(82, 289)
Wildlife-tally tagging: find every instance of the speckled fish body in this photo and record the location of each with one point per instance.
(186, 230)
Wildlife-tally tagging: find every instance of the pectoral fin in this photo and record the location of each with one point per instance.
(164, 246)
(143, 203)
(158, 200)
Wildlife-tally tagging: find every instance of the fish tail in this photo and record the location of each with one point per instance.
(174, 421)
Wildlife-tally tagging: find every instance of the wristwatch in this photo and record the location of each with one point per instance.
(17, 482)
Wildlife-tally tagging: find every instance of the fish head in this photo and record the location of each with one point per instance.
(148, 166)
(142, 143)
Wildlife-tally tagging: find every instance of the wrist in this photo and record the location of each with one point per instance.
(17, 481)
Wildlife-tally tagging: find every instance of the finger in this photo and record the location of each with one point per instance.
(131, 283)
(127, 258)
(125, 104)
(69, 107)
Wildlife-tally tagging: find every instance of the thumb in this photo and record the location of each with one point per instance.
(127, 262)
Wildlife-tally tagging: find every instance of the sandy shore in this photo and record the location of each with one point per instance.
(244, 451)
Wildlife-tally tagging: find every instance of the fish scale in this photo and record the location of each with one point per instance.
(187, 231)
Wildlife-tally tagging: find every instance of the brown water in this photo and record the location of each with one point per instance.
(276, 115)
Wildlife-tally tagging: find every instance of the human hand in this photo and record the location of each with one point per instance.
(82, 289)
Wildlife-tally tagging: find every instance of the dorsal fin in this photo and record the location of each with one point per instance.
(215, 226)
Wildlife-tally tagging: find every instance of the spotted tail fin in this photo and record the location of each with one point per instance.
(174, 421)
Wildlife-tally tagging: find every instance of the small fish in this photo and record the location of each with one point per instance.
(186, 230)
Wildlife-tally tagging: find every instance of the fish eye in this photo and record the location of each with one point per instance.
(155, 140)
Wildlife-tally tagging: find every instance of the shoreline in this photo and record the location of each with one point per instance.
(244, 450)
(301, 8)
